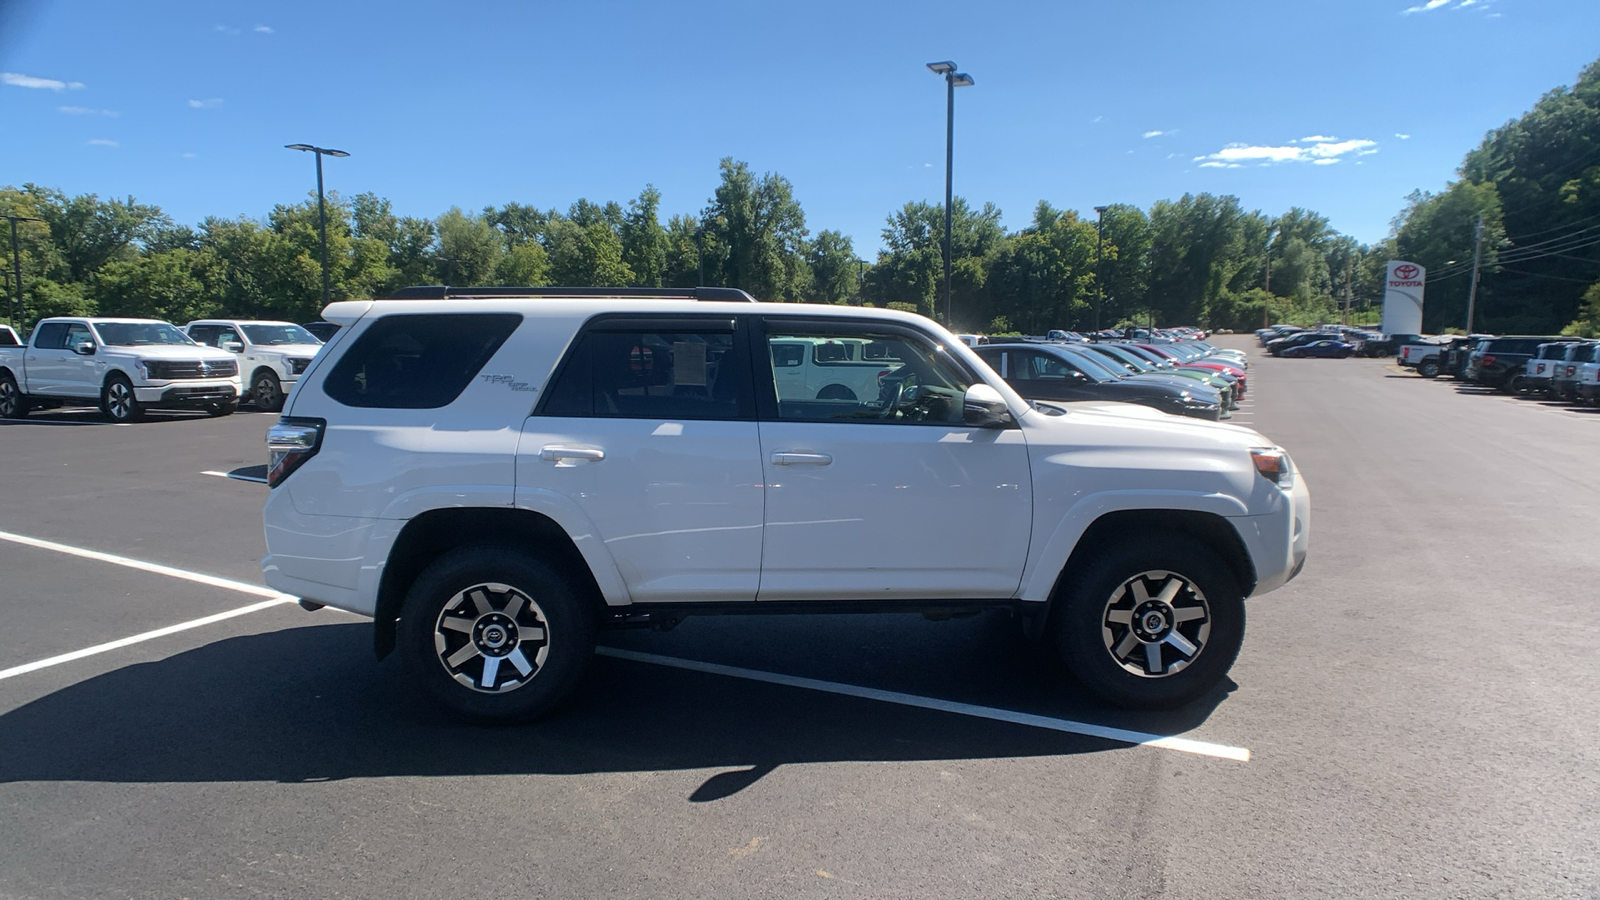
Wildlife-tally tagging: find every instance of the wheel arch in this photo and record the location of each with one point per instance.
(1134, 524)
(436, 532)
(256, 373)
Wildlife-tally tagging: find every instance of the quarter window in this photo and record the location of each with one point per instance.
(417, 361)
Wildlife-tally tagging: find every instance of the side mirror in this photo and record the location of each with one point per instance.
(85, 348)
(233, 346)
(983, 407)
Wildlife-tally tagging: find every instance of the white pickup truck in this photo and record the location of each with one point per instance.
(126, 365)
(8, 337)
(272, 355)
(1423, 357)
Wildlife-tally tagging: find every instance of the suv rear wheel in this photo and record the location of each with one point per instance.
(1428, 368)
(495, 634)
(1153, 624)
(13, 405)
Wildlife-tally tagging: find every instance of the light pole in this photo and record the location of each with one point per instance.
(17, 305)
(322, 213)
(952, 80)
(1099, 239)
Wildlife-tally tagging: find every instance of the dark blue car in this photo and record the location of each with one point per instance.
(1320, 350)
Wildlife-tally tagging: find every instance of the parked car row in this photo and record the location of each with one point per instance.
(129, 366)
(1559, 368)
(1329, 341)
(1189, 379)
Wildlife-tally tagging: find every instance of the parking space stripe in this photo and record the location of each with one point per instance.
(242, 587)
(1162, 742)
(25, 668)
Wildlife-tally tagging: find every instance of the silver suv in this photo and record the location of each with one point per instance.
(494, 475)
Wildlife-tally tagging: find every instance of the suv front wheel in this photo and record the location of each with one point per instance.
(1152, 624)
(495, 634)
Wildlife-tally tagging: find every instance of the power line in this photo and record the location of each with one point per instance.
(1552, 277)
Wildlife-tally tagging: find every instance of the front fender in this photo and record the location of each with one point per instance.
(1044, 564)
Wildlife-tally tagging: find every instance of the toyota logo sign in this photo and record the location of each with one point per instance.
(1405, 272)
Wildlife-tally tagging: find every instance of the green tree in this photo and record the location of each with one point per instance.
(755, 234)
(834, 270)
(644, 241)
(469, 249)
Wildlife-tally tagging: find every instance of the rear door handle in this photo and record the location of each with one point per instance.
(785, 458)
(571, 456)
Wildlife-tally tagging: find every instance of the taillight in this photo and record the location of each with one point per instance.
(1539, 369)
(1570, 370)
(289, 444)
(1488, 360)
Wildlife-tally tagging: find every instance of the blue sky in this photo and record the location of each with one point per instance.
(1341, 106)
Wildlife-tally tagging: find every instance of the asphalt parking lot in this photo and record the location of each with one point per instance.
(1413, 717)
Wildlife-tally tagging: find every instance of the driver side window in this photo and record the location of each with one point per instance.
(868, 375)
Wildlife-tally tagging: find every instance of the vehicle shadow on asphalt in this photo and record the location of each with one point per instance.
(308, 704)
(92, 416)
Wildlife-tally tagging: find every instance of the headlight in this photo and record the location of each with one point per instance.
(1274, 465)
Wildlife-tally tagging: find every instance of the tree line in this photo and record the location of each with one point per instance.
(1200, 259)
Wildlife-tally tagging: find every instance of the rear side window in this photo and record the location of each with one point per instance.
(672, 372)
(51, 336)
(417, 361)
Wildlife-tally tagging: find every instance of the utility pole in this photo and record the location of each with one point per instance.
(1477, 256)
(1099, 241)
(18, 307)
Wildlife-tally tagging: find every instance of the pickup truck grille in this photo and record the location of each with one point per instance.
(298, 366)
(171, 370)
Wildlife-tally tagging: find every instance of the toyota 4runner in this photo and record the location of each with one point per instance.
(494, 475)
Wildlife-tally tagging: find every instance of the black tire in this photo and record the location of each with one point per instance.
(118, 401)
(225, 408)
(1089, 638)
(266, 392)
(837, 392)
(13, 403)
(1428, 368)
(475, 588)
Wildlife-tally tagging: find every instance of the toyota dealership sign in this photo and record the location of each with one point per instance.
(1402, 297)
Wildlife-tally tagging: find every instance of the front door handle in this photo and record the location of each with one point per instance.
(786, 458)
(571, 456)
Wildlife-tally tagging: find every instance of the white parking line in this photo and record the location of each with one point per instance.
(140, 638)
(242, 587)
(1163, 742)
(235, 477)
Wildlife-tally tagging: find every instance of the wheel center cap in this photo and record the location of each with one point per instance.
(1152, 620)
(495, 634)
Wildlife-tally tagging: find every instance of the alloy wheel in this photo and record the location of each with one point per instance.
(119, 400)
(1156, 624)
(492, 638)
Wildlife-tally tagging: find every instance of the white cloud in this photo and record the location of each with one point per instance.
(212, 103)
(1151, 134)
(1430, 5)
(103, 142)
(86, 111)
(262, 29)
(1213, 164)
(1314, 139)
(1321, 153)
(1325, 162)
(188, 155)
(17, 79)
(1096, 119)
(1403, 137)
(225, 29)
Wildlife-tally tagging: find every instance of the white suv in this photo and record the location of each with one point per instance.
(271, 355)
(494, 475)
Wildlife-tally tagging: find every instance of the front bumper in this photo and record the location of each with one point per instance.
(1278, 542)
(188, 394)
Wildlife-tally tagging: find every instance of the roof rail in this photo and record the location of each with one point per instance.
(446, 292)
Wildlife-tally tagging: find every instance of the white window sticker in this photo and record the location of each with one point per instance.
(689, 363)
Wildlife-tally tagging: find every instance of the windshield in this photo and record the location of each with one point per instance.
(1093, 367)
(270, 335)
(136, 334)
(1126, 359)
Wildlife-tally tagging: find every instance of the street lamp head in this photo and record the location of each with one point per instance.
(942, 68)
(1101, 209)
(962, 79)
(320, 150)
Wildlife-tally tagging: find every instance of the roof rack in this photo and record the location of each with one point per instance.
(446, 292)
